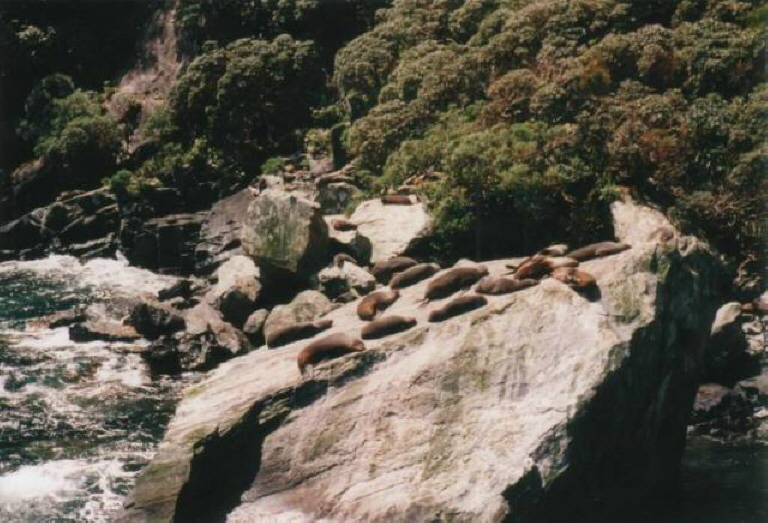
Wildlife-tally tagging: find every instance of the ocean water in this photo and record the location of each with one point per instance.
(77, 420)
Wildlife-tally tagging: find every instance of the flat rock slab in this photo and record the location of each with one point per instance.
(478, 418)
(391, 229)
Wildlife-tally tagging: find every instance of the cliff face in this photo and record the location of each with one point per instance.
(540, 401)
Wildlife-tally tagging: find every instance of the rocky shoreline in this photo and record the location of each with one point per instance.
(276, 255)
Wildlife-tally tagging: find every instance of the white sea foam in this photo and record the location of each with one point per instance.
(102, 273)
(53, 479)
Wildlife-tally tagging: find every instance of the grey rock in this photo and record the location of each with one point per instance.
(393, 230)
(349, 279)
(254, 327)
(529, 407)
(237, 289)
(152, 320)
(166, 244)
(102, 331)
(285, 232)
(306, 306)
(221, 230)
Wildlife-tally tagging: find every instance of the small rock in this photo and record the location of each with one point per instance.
(306, 306)
(102, 331)
(254, 327)
(153, 320)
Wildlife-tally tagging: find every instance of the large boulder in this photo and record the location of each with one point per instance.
(237, 289)
(540, 406)
(345, 282)
(207, 341)
(285, 232)
(152, 319)
(165, 244)
(393, 230)
(306, 306)
(221, 230)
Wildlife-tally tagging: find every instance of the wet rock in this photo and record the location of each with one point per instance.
(153, 320)
(102, 331)
(721, 412)
(285, 233)
(166, 244)
(393, 230)
(207, 341)
(82, 224)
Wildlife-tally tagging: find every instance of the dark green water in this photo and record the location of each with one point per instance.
(77, 421)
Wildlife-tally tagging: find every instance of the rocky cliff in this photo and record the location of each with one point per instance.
(539, 402)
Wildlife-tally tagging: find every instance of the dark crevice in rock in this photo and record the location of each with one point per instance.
(226, 464)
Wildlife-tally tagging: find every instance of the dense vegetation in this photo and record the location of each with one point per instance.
(537, 111)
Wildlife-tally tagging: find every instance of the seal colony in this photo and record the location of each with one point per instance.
(557, 262)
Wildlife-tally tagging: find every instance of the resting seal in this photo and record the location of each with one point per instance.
(559, 249)
(397, 199)
(496, 286)
(376, 302)
(343, 225)
(386, 326)
(454, 280)
(296, 331)
(329, 347)
(384, 270)
(574, 278)
(597, 250)
(413, 275)
(457, 306)
(539, 265)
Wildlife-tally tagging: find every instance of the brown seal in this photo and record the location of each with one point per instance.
(329, 347)
(413, 275)
(340, 224)
(575, 278)
(539, 265)
(397, 199)
(296, 331)
(342, 257)
(384, 270)
(454, 280)
(457, 306)
(559, 249)
(376, 302)
(496, 286)
(597, 250)
(387, 325)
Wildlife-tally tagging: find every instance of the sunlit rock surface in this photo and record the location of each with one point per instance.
(540, 402)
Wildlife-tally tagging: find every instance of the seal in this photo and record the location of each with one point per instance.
(413, 275)
(453, 280)
(496, 286)
(339, 259)
(340, 224)
(559, 249)
(397, 199)
(384, 270)
(296, 331)
(329, 347)
(386, 326)
(539, 265)
(457, 306)
(375, 302)
(574, 278)
(597, 250)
